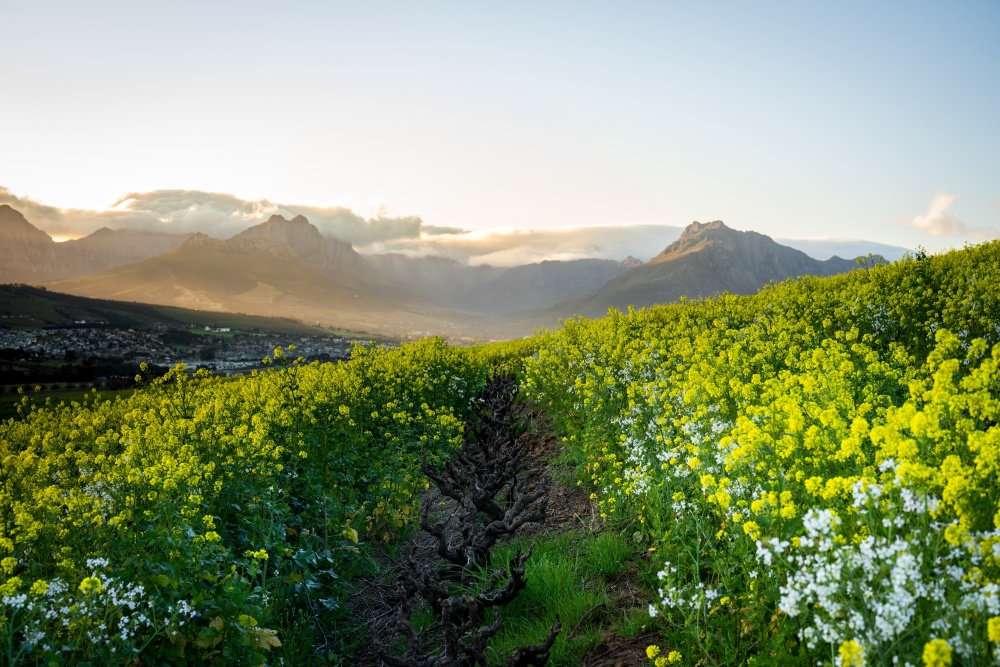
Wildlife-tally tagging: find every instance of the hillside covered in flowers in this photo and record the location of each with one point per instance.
(817, 464)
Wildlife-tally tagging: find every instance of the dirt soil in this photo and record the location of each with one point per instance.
(569, 508)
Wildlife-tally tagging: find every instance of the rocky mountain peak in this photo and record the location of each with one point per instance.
(298, 233)
(700, 236)
(199, 239)
(14, 227)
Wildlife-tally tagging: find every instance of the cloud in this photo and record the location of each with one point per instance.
(940, 220)
(512, 247)
(216, 214)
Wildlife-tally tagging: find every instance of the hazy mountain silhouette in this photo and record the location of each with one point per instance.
(29, 255)
(108, 248)
(490, 290)
(534, 286)
(26, 253)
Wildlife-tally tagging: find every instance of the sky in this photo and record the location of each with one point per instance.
(860, 120)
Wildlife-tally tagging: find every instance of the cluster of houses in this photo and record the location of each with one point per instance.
(163, 346)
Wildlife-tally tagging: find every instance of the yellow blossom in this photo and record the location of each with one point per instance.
(851, 654)
(993, 629)
(91, 585)
(937, 653)
(10, 586)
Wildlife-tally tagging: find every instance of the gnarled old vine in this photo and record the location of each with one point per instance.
(496, 494)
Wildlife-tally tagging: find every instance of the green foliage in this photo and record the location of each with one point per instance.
(816, 466)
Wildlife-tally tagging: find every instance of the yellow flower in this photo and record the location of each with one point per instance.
(40, 587)
(993, 629)
(8, 564)
(674, 657)
(10, 586)
(851, 654)
(91, 584)
(660, 662)
(937, 653)
(652, 651)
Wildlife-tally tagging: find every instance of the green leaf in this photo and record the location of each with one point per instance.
(160, 580)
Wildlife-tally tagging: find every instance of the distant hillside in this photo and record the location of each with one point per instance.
(109, 248)
(828, 248)
(27, 307)
(494, 291)
(438, 280)
(707, 259)
(535, 286)
(253, 275)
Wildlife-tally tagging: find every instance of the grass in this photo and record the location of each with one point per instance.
(608, 555)
(567, 578)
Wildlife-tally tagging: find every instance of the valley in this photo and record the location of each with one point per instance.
(285, 268)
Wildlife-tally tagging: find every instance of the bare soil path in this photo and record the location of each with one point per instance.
(570, 508)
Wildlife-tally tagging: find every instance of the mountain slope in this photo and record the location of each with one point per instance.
(109, 248)
(334, 258)
(437, 280)
(707, 259)
(537, 286)
(250, 275)
(26, 252)
(29, 255)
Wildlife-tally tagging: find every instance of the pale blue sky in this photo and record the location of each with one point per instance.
(795, 119)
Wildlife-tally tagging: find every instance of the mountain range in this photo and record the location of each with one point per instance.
(287, 268)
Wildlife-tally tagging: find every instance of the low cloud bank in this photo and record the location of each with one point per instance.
(512, 247)
(216, 214)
